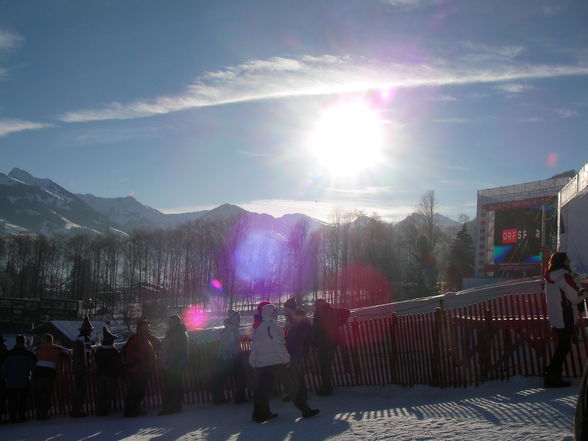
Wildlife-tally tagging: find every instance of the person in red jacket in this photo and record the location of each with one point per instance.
(140, 359)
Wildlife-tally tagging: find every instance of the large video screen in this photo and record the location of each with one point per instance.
(517, 235)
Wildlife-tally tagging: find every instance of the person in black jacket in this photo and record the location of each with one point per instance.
(325, 337)
(16, 373)
(297, 343)
(108, 368)
(82, 354)
(175, 358)
(3, 351)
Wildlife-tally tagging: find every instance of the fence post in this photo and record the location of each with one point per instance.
(486, 332)
(437, 336)
(394, 377)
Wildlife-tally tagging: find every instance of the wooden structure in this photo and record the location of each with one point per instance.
(494, 340)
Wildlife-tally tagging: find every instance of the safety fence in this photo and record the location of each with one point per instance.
(493, 340)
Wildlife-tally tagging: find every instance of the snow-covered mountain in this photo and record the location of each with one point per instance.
(129, 214)
(29, 204)
(33, 205)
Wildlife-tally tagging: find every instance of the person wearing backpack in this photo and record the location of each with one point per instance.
(271, 360)
(562, 297)
(325, 338)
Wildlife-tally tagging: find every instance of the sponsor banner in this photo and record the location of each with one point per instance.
(526, 203)
(514, 267)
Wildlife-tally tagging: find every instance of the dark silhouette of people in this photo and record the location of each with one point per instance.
(139, 362)
(270, 359)
(175, 358)
(297, 342)
(82, 357)
(229, 361)
(325, 337)
(108, 368)
(48, 357)
(3, 410)
(562, 297)
(15, 372)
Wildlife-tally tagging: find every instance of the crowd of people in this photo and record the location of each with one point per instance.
(277, 353)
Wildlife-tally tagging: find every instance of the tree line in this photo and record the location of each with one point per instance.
(352, 261)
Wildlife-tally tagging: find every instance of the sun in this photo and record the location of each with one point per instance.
(348, 139)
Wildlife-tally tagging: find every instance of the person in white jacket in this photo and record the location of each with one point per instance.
(271, 360)
(562, 297)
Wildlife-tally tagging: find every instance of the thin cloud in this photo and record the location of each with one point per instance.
(454, 121)
(532, 119)
(513, 88)
(324, 75)
(9, 40)
(372, 190)
(501, 51)
(254, 154)
(8, 126)
(567, 113)
(459, 168)
(412, 4)
(322, 210)
(443, 98)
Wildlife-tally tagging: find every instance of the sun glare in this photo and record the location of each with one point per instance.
(348, 139)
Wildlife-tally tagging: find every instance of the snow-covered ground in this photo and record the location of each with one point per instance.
(518, 409)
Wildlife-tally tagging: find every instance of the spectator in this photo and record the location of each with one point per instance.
(139, 358)
(229, 361)
(325, 337)
(290, 307)
(108, 367)
(297, 343)
(48, 356)
(3, 351)
(562, 296)
(257, 316)
(16, 374)
(82, 355)
(270, 359)
(175, 358)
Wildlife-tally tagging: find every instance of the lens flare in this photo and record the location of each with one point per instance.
(216, 284)
(194, 318)
(551, 160)
(257, 254)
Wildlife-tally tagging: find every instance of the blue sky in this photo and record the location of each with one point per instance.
(191, 104)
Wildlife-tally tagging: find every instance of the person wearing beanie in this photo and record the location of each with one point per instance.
(108, 368)
(290, 307)
(257, 315)
(270, 359)
(175, 358)
(229, 361)
(15, 372)
(82, 355)
(562, 297)
(48, 357)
